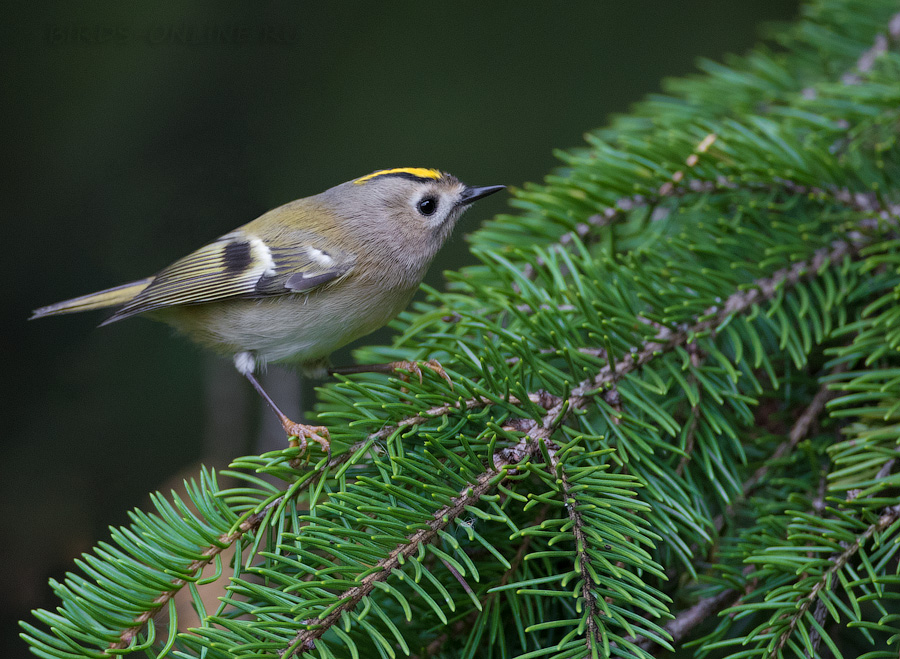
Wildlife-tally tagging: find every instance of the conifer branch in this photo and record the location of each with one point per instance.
(739, 302)
(666, 339)
(558, 410)
(889, 515)
(866, 203)
(593, 637)
(618, 209)
(248, 525)
(468, 496)
(440, 410)
(194, 568)
(434, 647)
(798, 432)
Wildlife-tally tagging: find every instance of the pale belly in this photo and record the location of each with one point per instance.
(293, 328)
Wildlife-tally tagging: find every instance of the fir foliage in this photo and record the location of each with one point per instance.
(673, 423)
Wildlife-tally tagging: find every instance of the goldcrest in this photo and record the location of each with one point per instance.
(304, 279)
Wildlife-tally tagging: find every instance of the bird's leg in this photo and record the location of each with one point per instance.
(298, 433)
(391, 367)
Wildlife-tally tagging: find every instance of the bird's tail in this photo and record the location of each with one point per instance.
(111, 297)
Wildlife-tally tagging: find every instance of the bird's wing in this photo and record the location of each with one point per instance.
(240, 264)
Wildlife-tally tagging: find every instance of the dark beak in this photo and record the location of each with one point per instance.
(471, 194)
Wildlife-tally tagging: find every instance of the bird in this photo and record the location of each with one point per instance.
(304, 279)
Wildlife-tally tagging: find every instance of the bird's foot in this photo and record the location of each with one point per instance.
(413, 368)
(299, 435)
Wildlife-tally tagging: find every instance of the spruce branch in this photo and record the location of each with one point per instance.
(757, 292)
(879, 47)
(194, 568)
(687, 620)
(593, 638)
(865, 203)
(737, 303)
(440, 410)
(559, 408)
(468, 496)
(618, 209)
(888, 516)
(797, 433)
(248, 525)
(465, 626)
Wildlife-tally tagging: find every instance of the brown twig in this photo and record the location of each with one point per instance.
(799, 430)
(819, 614)
(459, 578)
(687, 620)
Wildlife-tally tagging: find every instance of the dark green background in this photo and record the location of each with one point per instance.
(127, 147)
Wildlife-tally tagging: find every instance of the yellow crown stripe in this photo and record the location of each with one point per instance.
(419, 172)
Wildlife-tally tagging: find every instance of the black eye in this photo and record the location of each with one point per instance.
(427, 206)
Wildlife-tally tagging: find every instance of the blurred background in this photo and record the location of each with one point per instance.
(136, 132)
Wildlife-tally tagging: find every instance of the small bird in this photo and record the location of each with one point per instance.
(304, 279)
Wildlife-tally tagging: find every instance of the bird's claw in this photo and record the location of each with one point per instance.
(414, 369)
(299, 435)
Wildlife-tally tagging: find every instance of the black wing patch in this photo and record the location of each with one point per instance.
(237, 256)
